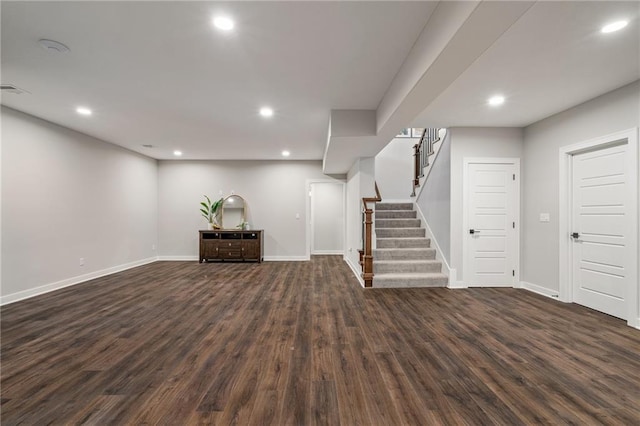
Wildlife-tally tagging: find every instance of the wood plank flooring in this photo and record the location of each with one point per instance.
(301, 343)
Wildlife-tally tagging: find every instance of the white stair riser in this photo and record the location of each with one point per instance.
(396, 214)
(394, 206)
(392, 268)
(403, 243)
(397, 223)
(400, 232)
(404, 254)
(380, 282)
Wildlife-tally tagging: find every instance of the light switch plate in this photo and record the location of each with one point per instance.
(544, 217)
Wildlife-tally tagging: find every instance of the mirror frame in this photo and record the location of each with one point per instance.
(244, 211)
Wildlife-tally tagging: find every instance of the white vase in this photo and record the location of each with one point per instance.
(210, 226)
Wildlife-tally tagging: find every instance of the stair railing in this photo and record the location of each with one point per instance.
(421, 152)
(366, 254)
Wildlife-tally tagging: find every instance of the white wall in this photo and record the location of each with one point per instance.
(394, 169)
(327, 217)
(353, 217)
(474, 142)
(435, 199)
(275, 192)
(617, 110)
(360, 183)
(66, 196)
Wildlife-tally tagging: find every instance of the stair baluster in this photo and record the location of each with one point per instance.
(421, 152)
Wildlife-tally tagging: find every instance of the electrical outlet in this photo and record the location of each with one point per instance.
(153, 246)
(544, 217)
(82, 261)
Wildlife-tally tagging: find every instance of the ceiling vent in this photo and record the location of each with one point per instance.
(53, 46)
(10, 88)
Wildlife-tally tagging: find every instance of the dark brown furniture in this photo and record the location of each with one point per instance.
(231, 245)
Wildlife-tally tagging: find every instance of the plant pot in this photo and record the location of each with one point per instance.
(210, 226)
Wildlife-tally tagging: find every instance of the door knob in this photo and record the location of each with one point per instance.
(575, 235)
(474, 231)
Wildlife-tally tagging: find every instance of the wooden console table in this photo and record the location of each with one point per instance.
(231, 245)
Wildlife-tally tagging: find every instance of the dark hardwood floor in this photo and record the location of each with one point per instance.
(302, 343)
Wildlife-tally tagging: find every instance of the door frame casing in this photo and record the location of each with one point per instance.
(466, 267)
(566, 153)
(309, 238)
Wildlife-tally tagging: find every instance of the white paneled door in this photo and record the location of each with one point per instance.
(492, 200)
(599, 231)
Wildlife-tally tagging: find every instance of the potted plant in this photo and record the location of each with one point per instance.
(210, 211)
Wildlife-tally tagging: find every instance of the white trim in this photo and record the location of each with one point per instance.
(446, 269)
(286, 258)
(565, 154)
(26, 294)
(453, 281)
(328, 252)
(552, 294)
(465, 221)
(355, 271)
(178, 258)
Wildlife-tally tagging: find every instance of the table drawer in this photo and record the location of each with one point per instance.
(225, 253)
(230, 245)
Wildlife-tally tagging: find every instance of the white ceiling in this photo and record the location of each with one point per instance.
(158, 73)
(554, 57)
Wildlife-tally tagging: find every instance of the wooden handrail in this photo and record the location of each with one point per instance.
(366, 254)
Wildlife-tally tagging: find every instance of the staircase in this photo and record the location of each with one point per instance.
(403, 257)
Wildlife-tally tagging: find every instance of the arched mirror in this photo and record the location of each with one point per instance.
(233, 212)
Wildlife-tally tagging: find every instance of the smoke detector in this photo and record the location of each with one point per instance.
(53, 46)
(10, 88)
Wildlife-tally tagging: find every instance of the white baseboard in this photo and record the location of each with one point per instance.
(266, 258)
(330, 252)
(287, 258)
(178, 258)
(453, 280)
(26, 294)
(355, 270)
(553, 294)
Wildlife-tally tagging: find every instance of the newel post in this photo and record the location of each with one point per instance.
(367, 266)
(416, 165)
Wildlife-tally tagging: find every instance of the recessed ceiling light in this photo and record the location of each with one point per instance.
(286, 153)
(266, 112)
(496, 100)
(177, 153)
(83, 111)
(614, 26)
(223, 23)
